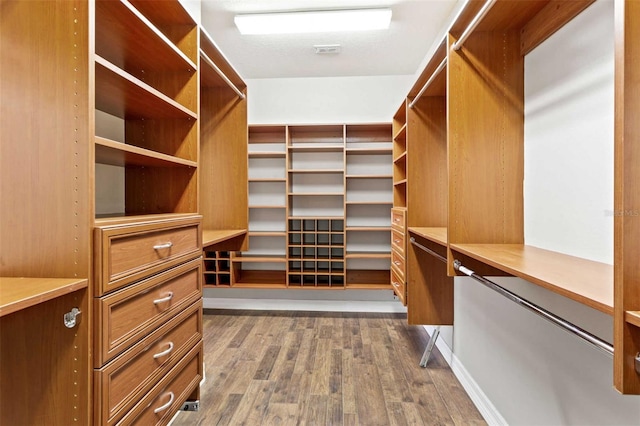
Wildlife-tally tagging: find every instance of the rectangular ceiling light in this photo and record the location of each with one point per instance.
(314, 21)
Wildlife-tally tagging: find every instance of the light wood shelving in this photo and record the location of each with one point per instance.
(465, 200)
(17, 294)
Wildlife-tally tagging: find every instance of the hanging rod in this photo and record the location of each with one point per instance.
(428, 250)
(221, 74)
(474, 23)
(549, 316)
(428, 83)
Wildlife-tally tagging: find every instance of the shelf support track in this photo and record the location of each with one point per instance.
(549, 316)
(436, 333)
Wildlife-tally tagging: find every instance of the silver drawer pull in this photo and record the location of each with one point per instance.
(396, 241)
(397, 262)
(167, 405)
(163, 246)
(165, 352)
(167, 298)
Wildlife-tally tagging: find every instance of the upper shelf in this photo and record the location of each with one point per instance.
(437, 235)
(21, 293)
(585, 281)
(129, 40)
(211, 237)
(120, 154)
(121, 94)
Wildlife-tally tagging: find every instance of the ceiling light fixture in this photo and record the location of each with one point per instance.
(314, 21)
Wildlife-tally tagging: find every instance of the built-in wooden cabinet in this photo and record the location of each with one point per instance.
(319, 201)
(465, 200)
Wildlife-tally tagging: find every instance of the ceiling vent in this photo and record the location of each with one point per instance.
(326, 49)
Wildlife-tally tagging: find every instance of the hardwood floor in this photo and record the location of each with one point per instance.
(318, 368)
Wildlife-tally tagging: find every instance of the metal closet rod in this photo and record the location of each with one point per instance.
(428, 250)
(473, 24)
(549, 316)
(221, 74)
(429, 81)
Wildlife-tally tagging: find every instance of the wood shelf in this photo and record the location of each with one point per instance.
(122, 95)
(632, 317)
(261, 279)
(267, 154)
(402, 157)
(267, 207)
(369, 176)
(400, 182)
(585, 281)
(366, 203)
(259, 258)
(121, 154)
(17, 294)
(267, 234)
(124, 35)
(367, 255)
(368, 228)
(312, 194)
(437, 235)
(401, 134)
(365, 151)
(319, 148)
(211, 237)
(337, 171)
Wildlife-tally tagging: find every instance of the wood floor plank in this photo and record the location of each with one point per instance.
(319, 368)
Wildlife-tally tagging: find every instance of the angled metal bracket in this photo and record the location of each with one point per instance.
(430, 344)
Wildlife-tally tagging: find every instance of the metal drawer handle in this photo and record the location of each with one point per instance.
(396, 241)
(163, 246)
(397, 262)
(165, 352)
(165, 406)
(164, 299)
(395, 284)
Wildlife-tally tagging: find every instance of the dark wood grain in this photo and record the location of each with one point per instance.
(319, 368)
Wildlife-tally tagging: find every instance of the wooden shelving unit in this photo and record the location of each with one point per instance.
(460, 181)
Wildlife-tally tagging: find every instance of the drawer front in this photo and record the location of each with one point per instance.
(398, 219)
(398, 241)
(123, 381)
(126, 253)
(161, 403)
(131, 313)
(398, 286)
(397, 262)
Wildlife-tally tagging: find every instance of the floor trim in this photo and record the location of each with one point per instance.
(304, 305)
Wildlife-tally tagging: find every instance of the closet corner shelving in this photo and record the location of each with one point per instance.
(471, 210)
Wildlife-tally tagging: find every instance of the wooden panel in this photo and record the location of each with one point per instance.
(505, 15)
(45, 157)
(399, 288)
(368, 133)
(427, 163)
(627, 194)
(175, 137)
(398, 220)
(437, 235)
(180, 382)
(398, 262)
(21, 293)
(124, 252)
(154, 190)
(585, 281)
(429, 289)
(124, 381)
(127, 315)
(485, 140)
(45, 365)
(223, 160)
(549, 20)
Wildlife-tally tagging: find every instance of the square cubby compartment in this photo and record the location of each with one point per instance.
(309, 239)
(295, 280)
(323, 280)
(337, 280)
(295, 239)
(224, 279)
(224, 265)
(322, 253)
(337, 239)
(308, 266)
(323, 225)
(210, 279)
(337, 253)
(309, 225)
(309, 280)
(210, 265)
(323, 267)
(295, 266)
(322, 239)
(337, 266)
(295, 252)
(295, 225)
(337, 225)
(309, 253)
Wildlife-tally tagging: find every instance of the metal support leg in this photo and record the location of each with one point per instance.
(430, 344)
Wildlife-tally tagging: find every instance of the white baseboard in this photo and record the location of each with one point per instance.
(491, 415)
(304, 305)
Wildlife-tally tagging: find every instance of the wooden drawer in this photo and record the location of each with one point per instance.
(397, 262)
(398, 241)
(126, 316)
(161, 403)
(398, 286)
(126, 252)
(122, 382)
(398, 218)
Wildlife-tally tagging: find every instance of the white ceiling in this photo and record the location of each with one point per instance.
(398, 51)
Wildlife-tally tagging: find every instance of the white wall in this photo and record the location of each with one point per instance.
(328, 100)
